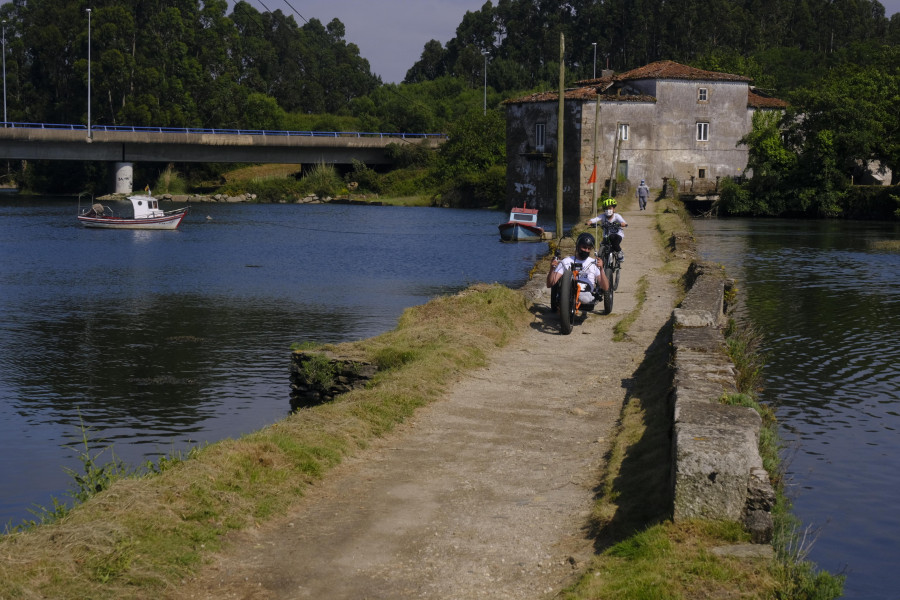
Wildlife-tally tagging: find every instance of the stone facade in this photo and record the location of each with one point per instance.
(664, 120)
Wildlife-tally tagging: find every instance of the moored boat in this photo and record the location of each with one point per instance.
(146, 215)
(522, 226)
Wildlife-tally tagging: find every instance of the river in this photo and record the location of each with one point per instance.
(151, 342)
(827, 301)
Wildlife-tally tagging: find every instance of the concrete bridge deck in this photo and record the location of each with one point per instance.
(35, 141)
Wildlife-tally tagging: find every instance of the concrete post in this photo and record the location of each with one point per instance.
(123, 173)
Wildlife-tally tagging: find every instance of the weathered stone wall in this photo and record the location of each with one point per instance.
(318, 376)
(717, 471)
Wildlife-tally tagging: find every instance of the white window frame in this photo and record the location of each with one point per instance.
(623, 131)
(703, 94)
(540, 136)
(702, 131)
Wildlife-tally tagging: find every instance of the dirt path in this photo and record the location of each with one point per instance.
(484, 494)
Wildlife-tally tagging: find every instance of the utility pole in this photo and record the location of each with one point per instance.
(559, 138)
(89, 136)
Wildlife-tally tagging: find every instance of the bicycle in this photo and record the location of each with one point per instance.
(612, 266)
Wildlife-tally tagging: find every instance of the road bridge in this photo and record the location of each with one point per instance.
(125, 145)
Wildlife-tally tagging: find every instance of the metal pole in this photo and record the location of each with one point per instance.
(485, 82)
(89, 76)
(4, 72)
(594, 44)
(559, 138)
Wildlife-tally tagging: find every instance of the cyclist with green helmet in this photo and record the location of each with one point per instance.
(612, 224)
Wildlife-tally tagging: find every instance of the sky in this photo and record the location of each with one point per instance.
(392, 33)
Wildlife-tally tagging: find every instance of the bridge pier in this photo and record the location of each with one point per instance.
(124, 173)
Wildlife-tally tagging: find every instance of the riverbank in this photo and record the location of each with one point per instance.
(485, 489)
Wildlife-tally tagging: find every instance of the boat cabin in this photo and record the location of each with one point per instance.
(146, 207)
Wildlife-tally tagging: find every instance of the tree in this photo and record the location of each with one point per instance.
(860, 107)
(430, 65)
(474, 144)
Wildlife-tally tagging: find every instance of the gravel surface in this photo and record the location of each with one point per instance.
(483, 494)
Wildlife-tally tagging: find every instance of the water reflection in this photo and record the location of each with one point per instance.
(826, 301)
(156, 341)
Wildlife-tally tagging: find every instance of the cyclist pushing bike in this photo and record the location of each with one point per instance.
(590, 273)
(612, 224)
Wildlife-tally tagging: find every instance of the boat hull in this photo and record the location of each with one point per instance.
(517, 232)
(169, 221)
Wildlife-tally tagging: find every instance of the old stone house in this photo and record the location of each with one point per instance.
(662, 120)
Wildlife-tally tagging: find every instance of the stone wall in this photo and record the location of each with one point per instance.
(318, 376)
(717, 471)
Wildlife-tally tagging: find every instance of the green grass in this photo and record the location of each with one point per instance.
(620, 330)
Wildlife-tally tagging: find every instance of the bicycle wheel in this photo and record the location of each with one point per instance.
(609, 294)
(567, 293)
(617, 269)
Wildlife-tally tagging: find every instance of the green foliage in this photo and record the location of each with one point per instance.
(262, 112)
(367, 179)
(409, 155)
(170, 182)
(804, 163)
(307, 345)
(94, 477)
(743, 342)
(322, 180)
(407, 182)
(267, 190)
(872, 202)
(475, 143)
(177, 64)
(91, 480)
(318, 370)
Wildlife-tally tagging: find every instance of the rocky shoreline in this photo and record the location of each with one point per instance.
(243, 198)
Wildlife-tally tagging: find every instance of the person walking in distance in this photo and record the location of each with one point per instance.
(643, 192)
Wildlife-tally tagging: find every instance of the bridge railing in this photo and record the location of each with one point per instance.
(222, 131)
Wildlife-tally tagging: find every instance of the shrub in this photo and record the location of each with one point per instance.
(322, 180)
(170, 181)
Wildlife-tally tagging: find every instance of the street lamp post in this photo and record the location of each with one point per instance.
(4, 72)
(485, 82)
(89, 76)
(594, 44)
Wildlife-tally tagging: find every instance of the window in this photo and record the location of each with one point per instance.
(539, 136)
(702, 132)
(623, 131)
(702, 95)
(701, 173)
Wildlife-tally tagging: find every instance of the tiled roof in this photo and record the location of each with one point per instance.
(667, 69)
(581, 93)
(756, 99)
(664, 69)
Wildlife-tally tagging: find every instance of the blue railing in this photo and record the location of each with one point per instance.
(217, 131)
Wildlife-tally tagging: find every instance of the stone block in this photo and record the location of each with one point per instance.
(694, 318)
